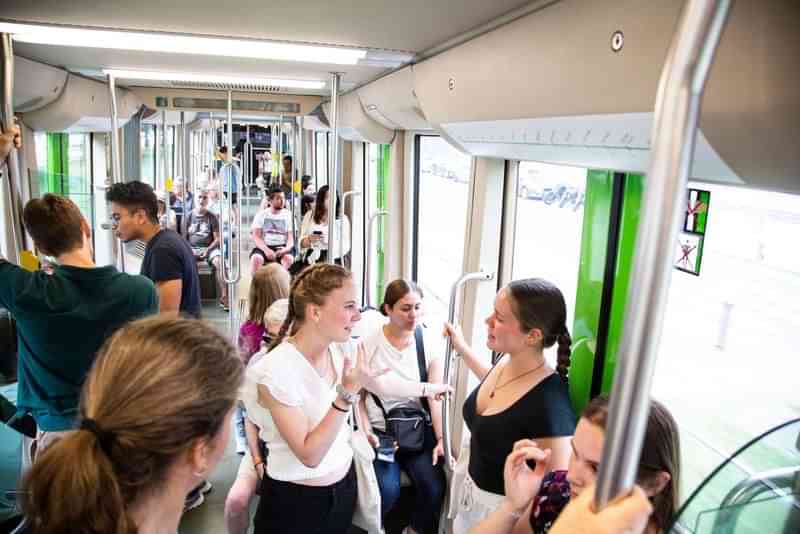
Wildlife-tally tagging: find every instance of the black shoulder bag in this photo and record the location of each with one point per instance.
(407, 424)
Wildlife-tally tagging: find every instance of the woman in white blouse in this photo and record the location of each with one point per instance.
(314, 231)
(307, 383)
(300, 395)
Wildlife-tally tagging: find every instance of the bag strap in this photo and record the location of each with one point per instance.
(423, 368)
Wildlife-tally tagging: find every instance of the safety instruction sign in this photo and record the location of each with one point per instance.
(689, 254)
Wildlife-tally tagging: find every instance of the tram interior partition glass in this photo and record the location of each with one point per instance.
(728, 367)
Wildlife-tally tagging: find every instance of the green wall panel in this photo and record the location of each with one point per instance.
(383, 191)
(594, 242)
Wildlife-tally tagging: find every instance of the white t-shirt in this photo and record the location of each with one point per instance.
(403, 364)
(276, 226)
(292, 381)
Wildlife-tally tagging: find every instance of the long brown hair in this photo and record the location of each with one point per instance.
(661, 452)
(320, 211)
(269, 283)
(311, 286)
(157, 386)
(537, 303)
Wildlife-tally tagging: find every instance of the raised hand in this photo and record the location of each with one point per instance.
(457, 336)
(436, 390)
(355, 376)
(522, 483)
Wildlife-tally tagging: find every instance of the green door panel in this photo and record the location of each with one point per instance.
(594, 242)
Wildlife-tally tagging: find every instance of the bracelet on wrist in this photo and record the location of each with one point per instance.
(337, 407)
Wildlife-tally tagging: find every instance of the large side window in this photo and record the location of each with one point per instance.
(728, 367)
(442, 200)
(548, 227)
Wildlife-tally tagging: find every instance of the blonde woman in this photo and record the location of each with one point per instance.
(155, 413)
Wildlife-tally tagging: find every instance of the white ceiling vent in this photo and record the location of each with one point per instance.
(227, 86)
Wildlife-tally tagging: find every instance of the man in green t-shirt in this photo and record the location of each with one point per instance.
(64, 318)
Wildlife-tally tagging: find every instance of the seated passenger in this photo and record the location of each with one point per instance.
(166, 219)
(182, 203)
(202, 232)
(154, 418)
(64, 318)
(314, 232)
(252, 466)
(521, 397)
(394, 346)
(540, 497)
(272, 233)
(300, 396)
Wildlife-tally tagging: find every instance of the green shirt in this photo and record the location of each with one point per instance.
(62, 321)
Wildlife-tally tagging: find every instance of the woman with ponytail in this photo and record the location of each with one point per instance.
(520, 397)
(155, 416)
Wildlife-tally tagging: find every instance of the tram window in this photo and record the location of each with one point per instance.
(376, 180)
(64, 167)
(727, 366)
(80, 173)
(548, 228)
(147, 170)
(321, 165)
(442, 197)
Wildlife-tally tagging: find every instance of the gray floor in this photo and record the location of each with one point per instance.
(209, 517)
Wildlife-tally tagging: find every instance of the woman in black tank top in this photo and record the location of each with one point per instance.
(519, 398)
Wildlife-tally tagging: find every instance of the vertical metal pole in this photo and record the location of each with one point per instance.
(335, 165)
(118, 251)
(368, 260)
(13, 240)
(455, 293)
(232, 274)
(674, 130)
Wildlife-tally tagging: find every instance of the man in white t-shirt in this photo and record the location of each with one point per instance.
(272, 233)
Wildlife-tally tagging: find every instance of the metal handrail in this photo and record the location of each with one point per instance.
(367, 270)
(674, 130)
(345, 196)
(117, 249)
(335, 166)
(455, 293)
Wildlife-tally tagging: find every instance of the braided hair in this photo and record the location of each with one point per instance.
(539, 304)
(311, 286)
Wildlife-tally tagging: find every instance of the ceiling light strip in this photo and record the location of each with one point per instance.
(178, 77)
(180, 44)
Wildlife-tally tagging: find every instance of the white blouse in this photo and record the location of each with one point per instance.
(292, 381)
(341, 228)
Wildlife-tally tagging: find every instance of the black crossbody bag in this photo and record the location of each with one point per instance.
(407, 425)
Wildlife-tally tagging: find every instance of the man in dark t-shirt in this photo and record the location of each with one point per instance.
(202, 231)
(168, 259)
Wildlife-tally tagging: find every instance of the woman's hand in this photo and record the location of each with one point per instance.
(436, 391)
(373, 440)
(438, 452)
(456, 336)
(355, 376)
(628, 515)
(522, 483)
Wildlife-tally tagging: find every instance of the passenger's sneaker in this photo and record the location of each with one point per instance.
(206, 487)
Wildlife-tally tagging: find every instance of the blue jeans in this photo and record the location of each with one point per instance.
(428, 479)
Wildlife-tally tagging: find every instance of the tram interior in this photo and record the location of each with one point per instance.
(507, 137)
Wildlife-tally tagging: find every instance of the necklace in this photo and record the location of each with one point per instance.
(491, 395)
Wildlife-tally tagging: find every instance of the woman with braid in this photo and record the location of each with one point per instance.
(155, 415)
(520, 397)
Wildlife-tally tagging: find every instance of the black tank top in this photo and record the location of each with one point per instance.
(543, 412)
